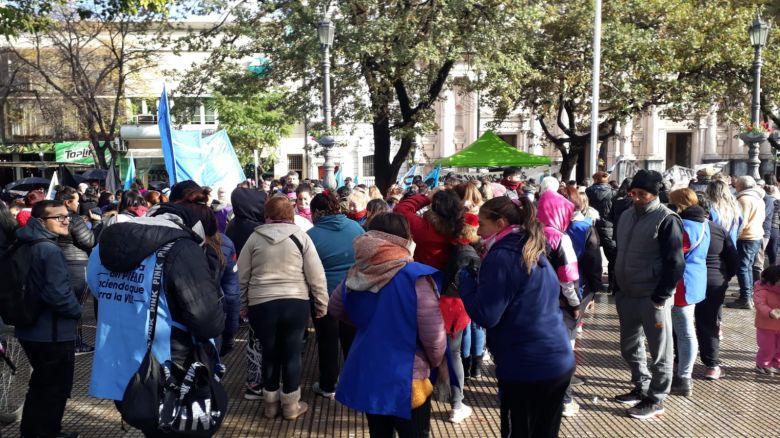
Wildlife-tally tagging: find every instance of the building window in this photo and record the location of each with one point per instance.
(210, 113)
(295, 162)
(509, 138)
(368, 165)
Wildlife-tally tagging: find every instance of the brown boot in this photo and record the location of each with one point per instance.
(271, 403)
(292, 406)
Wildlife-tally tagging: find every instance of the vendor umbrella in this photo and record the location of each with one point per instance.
(27, 184)
(95, 174)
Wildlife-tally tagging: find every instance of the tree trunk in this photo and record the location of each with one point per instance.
(383, 172)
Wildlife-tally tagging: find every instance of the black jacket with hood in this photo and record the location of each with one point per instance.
(77, 245)
(193, 294)
(249, 211)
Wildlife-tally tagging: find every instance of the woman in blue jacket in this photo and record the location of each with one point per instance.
(516, 291)
(332, 235)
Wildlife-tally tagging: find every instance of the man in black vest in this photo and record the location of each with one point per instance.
(648, 265)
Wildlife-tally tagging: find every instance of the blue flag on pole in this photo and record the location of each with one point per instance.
(432, 179)
(130, 177)
(166, 138)
(406, 181)
(339, 178)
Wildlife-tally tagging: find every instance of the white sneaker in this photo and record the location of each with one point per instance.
(460, 414)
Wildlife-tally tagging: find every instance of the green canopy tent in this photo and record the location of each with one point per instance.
(490, 151)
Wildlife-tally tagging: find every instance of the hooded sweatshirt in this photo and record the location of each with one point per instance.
(249, 213)
(554, 212)
(753, 212)
(273, 268)
(332, 236)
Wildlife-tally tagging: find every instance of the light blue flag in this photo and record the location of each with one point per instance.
(339, 178)
(432, 179)
(355, 180)
(406, 181)
(130, 177)
(166, 137)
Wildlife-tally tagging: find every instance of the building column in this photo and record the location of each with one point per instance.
(536, 136)
(447, 126)
(711, 136)
(655, 138)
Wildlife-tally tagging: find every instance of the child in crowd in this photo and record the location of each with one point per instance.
(767, 300)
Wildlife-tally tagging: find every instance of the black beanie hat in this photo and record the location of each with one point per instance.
(648, 180)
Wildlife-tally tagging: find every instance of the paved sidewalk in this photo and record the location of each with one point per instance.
(742, 404)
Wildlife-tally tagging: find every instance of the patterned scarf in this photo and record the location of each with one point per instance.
(378, 257)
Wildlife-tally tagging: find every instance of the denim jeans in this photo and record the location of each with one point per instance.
(747, 250)
(454, 344)
(473, 341)
(685, 339)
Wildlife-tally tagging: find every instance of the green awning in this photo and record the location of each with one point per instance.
(490, 151)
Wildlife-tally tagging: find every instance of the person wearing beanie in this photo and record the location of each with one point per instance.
(648, 265)
(181, 189)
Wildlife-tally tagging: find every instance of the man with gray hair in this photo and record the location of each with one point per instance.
(751, 238)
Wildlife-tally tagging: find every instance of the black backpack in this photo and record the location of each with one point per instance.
(18, 306)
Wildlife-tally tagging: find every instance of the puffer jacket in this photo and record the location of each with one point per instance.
(273, 268)
(78, 244)
(767, 297)
(193, 295)
(600, 198)
(49, 280)
(249, 213)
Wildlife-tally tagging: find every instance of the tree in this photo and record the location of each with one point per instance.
(87, 64)
(254, 118)
(681, 55)
(391, 59)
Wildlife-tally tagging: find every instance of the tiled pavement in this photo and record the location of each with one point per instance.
(742, 404)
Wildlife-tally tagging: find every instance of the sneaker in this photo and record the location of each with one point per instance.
(570, 409)
(739, 303)
(253, 392)
(317, 390)
(631, 398)
(713, 373)
(577, 381)
(84, 348)
(766, 371)
(646, 409)
(460, 414)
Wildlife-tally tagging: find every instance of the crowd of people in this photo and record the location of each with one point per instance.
(406, 291)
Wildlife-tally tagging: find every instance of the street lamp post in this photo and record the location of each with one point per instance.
(758, 32)
(326, 32)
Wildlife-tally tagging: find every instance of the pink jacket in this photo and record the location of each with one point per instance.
(767, 297)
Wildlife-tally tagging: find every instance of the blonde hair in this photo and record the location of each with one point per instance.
(683, 198)
(359, 198)
(374, 193)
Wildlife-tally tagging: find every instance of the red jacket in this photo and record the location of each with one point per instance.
(433, 249)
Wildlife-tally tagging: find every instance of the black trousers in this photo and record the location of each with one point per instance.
(419, 426)
(347, 334)
(327, 329)
(279, 324)
(707, 316)
(77, 272)
(50, 384)
(532, 410)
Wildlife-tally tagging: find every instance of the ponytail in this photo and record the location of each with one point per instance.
(520, 212)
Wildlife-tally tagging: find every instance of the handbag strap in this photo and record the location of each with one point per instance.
(161, 253)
